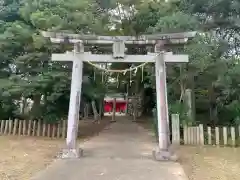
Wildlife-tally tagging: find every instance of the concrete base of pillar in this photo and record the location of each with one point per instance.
(164, 155)
(70, 153)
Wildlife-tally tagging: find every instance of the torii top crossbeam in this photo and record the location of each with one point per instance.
(142, 39)
(118, 46)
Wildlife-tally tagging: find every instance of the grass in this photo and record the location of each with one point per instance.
(210, 163)
(21, 157)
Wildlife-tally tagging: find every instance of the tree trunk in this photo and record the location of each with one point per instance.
(101, 108)
(138, 82)
(86, 111)
(35, 111)
(189, 103)
(95, 113)
(212, 106)
(23, 104)
(182, 83)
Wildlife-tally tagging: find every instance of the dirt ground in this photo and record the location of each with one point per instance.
(210, 163)
(21, 157)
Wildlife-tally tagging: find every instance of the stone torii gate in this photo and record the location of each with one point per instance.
(159, 57)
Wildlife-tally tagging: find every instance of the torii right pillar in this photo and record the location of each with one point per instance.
(163, 152)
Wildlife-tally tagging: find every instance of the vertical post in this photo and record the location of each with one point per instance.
(126, 110)
(175, 129)
(87, 110)
(100, 108)
(201, 134)
(233, 136)
(114, 110)
(74, 104)
(188, 99)
(209, 129)
(217, 136)
(166, 100)
(185, 134)
(225, 136)
(166, 97)
(161, 103)
(163, 152)
(95, 113)
(134, 104)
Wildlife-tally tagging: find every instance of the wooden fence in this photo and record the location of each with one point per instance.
(187, 135)
(204, 135)
(33, 128)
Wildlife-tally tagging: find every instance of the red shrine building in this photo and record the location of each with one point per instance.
(121, 104)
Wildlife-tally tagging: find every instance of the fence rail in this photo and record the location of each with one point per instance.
(33, 128)
(204, 135)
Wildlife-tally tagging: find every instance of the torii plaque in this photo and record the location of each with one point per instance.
(78, 56)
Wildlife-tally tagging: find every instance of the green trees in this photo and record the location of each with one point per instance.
(26, 54)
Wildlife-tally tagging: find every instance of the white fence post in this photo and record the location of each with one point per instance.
(175, 129)
(201, 134)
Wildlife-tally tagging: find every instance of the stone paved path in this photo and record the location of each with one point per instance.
(123, 151)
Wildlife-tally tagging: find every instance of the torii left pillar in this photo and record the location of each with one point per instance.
(72, 150)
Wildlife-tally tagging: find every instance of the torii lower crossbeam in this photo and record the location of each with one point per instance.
(98, 58)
